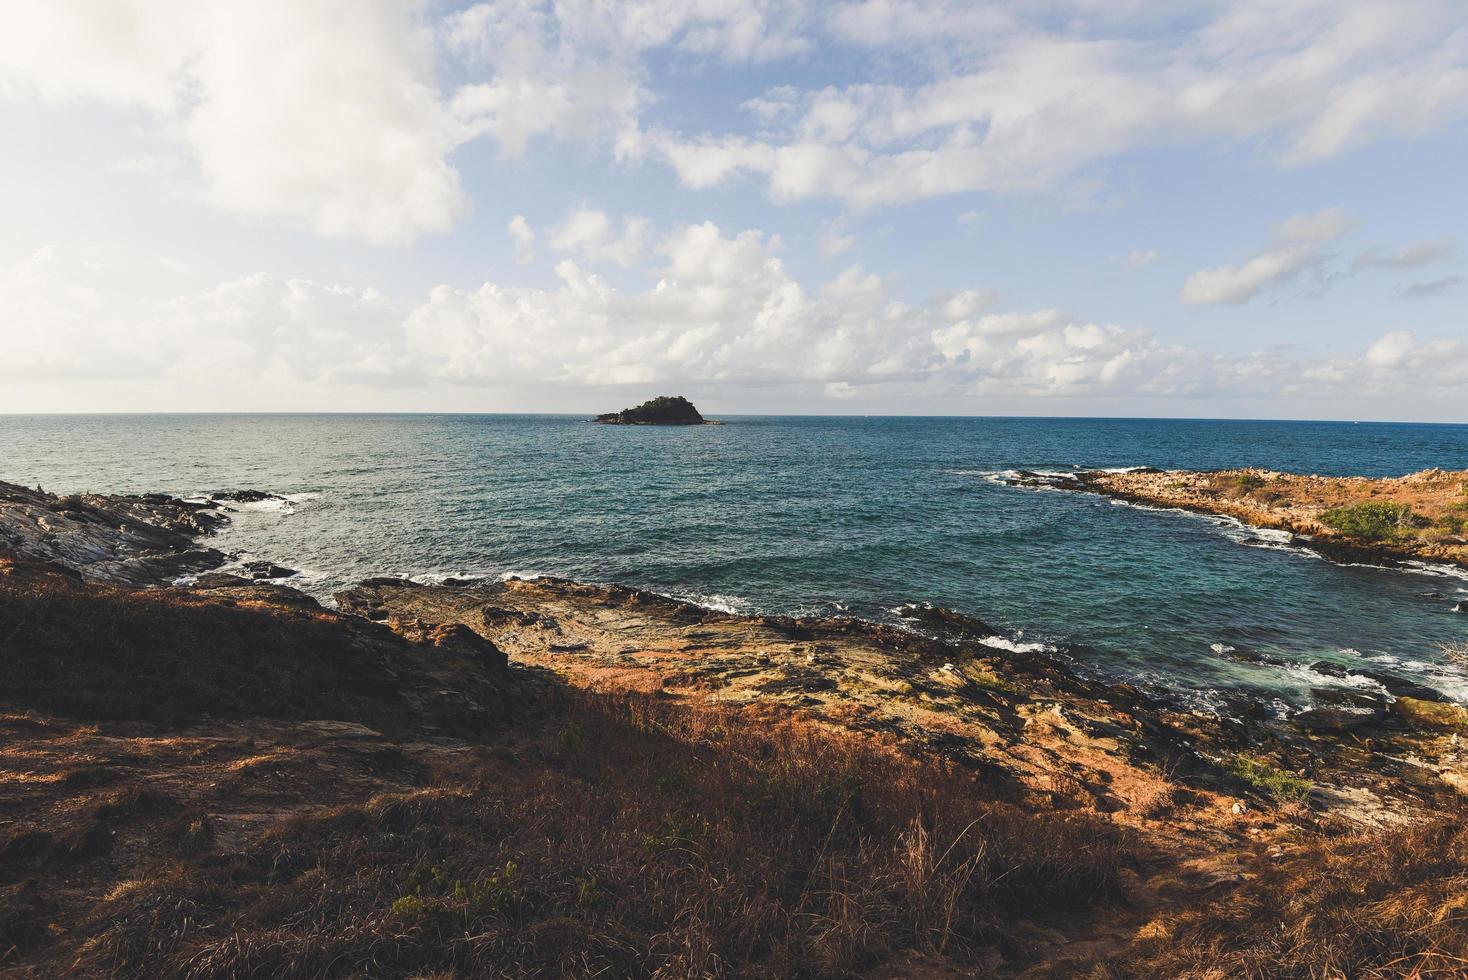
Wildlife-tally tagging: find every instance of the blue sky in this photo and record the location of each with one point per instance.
(1200, 208)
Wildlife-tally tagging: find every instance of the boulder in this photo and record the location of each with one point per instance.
(1421, 713)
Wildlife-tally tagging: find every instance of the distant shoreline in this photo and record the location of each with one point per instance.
(1424, 515)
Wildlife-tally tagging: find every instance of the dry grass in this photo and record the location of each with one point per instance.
(168, 656)
(1456, 654)
(636, 837)
(1388, 904)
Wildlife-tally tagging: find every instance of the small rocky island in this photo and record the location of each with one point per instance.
(662, 410)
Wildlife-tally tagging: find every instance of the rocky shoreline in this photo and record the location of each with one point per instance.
(936, 685)
(1433, 503)
(250, 708)
(137, 540)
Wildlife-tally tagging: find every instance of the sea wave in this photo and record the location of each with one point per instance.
(1017, 646)
(718, 602)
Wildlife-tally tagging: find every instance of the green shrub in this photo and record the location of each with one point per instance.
(1371, 521)
(1249, 482)
(1278, 785)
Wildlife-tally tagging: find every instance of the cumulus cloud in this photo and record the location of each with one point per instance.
(589, 233)
(344, 131)
(1398, 362)
(64, 321)
(1298, 247)
(723, 309)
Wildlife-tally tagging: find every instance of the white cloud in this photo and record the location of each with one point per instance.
(1301, 238)
(1140, 258)
(723, 310)
(1027, 95)
(1239, 284)
(589, 233)
(1409, 256)
(1322, 226)
(65, 321)
(835, 239)
(349, 132)
(1399, 364)
(344, 131)
(524, 238)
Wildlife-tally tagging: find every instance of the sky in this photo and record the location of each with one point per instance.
(1191, 208)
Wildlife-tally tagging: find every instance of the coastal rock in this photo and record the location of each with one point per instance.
(946, 621)
(268, 570)
(1420, 713)
(663, 410)
(134, 540)
(1349, 520)
(1338, 711)
(244, 496)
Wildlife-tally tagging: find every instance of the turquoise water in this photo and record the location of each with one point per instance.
(818, 515)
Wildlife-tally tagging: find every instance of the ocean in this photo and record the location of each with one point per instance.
(805, 516)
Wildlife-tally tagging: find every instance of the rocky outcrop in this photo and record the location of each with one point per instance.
(136, 540)
(1021, 717)
(1430, 508)
(663, 410)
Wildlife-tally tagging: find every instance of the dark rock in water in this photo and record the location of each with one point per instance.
(245, 496)
(663, 410)
(268, 570)
(947, 621)
(458, 581)
(1461, 607)
(1397, 687)
(1432, 595)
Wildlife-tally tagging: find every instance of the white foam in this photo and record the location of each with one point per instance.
(1316, 679)
(1221, 648)
(718, 602)
(1016, 646)
(526, 575)
(271, 505)
(438, 578)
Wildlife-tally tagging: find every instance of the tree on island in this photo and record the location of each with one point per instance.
(662, 410)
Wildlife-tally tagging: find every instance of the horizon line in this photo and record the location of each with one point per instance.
(733, 415)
